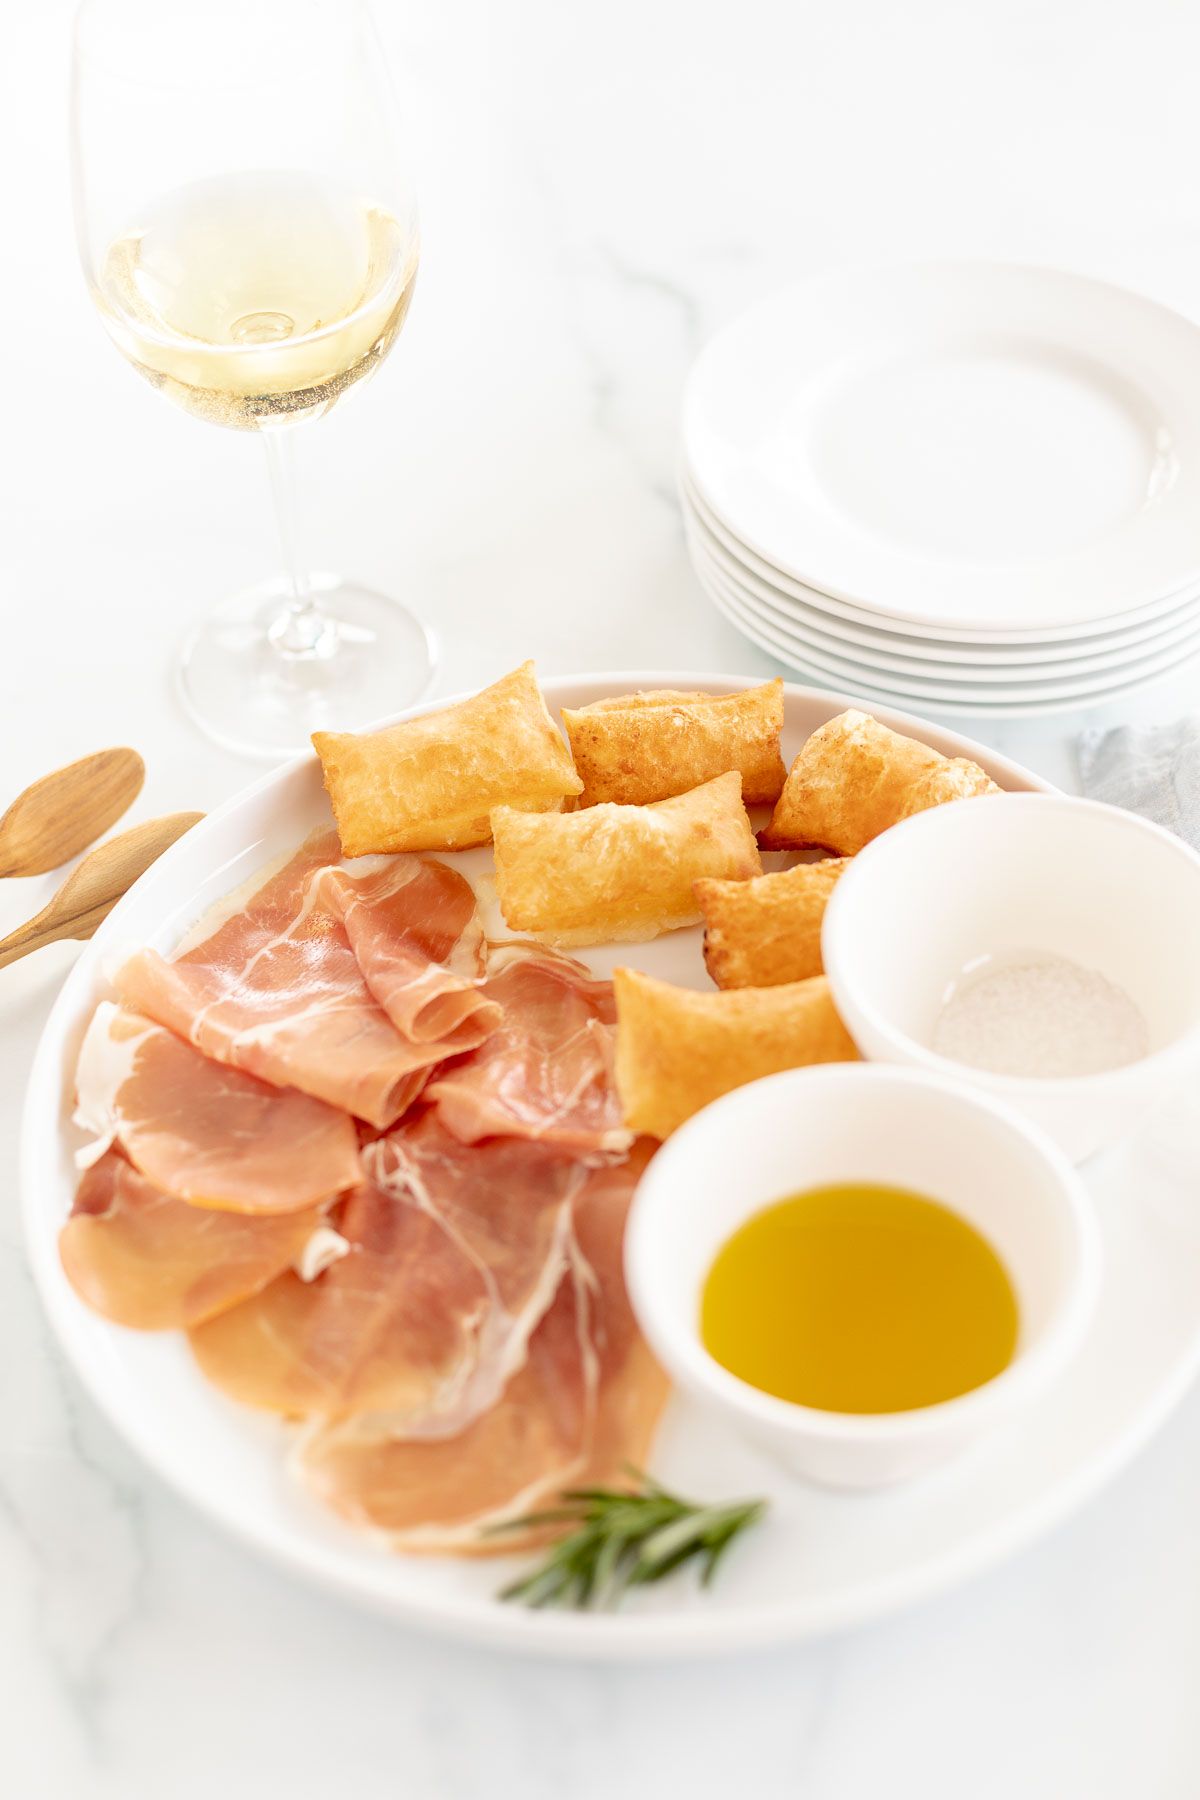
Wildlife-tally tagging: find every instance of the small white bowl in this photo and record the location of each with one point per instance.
(859, 1122)
(1014, 872)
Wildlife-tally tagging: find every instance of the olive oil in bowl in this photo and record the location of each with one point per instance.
(858, 1298)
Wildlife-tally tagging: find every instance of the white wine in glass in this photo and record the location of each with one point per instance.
(269, 277)
(255, 328)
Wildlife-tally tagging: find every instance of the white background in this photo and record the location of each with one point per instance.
(602, 186)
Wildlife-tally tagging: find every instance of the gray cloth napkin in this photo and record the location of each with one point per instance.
(1153, 769)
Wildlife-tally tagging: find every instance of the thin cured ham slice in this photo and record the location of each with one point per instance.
(455, 1254)
(418, 939)
(333, 983)
(585, 1403)
(204, 1132)
(547, 1071)
(393, 1323)
(145, 1259)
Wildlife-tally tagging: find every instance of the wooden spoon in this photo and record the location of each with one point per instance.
(91, 891)
(60, 815)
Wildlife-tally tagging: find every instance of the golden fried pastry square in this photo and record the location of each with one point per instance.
(638, 748)
(430, 783)
(767, 931)
(854, 778)
(678, 1049)
(612, 874)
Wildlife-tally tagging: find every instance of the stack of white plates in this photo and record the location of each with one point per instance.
(969, 486)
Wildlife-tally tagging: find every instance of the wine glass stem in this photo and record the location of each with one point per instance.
(301, 629)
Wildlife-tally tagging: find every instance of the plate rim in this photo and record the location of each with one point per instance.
(643, 1637)
(860, 613)
(879, 695)
(932, 655)
(955, 688)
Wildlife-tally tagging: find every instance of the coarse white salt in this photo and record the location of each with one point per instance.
(1028, 1013)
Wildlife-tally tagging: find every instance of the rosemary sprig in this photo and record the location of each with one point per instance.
(624, 1538)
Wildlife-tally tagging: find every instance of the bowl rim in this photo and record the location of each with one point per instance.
(688, 1362)
(848, 991)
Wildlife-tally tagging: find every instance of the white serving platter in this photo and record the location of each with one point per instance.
(822, 1560)
(957, 444)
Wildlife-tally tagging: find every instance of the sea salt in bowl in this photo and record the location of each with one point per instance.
(985, 883)
(854, 1122)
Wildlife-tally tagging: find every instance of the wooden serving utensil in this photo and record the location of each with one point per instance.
(91, 891)
(60, 815)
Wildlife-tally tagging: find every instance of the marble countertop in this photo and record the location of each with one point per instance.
(601, 188)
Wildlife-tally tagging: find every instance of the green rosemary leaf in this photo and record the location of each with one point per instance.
(682, 1531)
(609, 1557)
(557, 1515)
(598, 1496)
(623, 1538)
(719, 1542)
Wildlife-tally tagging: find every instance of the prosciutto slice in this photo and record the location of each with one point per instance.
(203, 1132)
(584, 1404)
(349, 987)
(547, 1071)
(418, 939)
(143, 1258)
(455, 1253)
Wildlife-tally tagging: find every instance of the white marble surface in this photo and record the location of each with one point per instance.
(601, 188)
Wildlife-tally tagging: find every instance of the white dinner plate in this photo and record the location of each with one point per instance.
(1107, 666)
(1032, 657)
(889, 690)
(1116, 629)
(821, 1560)
(945, 695)
(754, 626)
(948, 684)
(972, 445)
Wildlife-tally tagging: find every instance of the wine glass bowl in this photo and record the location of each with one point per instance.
(283, 323)
(249, 239)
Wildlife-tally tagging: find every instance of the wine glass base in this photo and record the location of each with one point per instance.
(247, 695)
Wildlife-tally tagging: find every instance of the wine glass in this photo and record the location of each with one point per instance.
(250, 242)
